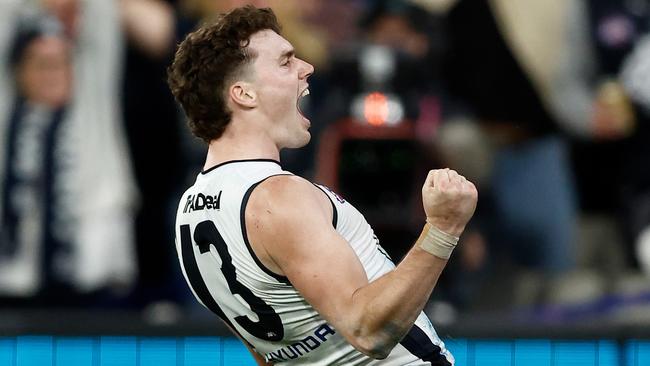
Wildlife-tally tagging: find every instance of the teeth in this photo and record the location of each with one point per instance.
(305, 93)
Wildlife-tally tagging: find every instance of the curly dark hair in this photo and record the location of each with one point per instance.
(206, 63)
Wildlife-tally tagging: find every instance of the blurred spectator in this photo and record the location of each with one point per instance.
(151, 120)
(395, 53)
(339, 19)
(603, 88)
(67, 196)
(497, 67)
(394, 56)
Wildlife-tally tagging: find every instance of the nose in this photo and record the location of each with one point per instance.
(306, 69)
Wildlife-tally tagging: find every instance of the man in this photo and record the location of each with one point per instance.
(292, 268)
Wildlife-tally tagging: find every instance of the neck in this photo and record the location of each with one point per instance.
(233, 146)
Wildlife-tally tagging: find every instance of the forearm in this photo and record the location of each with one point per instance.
(150, 25)
(385, 309)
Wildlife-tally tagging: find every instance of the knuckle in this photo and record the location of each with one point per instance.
(474, 194)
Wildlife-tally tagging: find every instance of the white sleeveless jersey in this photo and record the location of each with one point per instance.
(261, 306)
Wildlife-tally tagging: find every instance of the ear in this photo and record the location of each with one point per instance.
(242, 93)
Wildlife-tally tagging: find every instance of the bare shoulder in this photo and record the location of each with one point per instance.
(285, 184)
(283, 197)
(283, 216)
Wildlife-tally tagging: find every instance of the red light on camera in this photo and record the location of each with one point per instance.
(375, 108)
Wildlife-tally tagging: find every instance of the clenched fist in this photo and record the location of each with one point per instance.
(449, 200)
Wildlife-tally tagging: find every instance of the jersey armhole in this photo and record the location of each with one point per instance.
(242, 217)
(335, 216)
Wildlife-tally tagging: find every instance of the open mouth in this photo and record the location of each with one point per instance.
(302, 102)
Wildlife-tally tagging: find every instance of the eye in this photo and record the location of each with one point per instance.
(287, 62)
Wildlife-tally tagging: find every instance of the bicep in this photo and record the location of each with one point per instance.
(296, 229)
(322, 266)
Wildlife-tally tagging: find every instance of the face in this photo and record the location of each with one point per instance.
(44, 74)
(279, 81)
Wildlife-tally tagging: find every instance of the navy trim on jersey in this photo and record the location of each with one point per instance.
(196, 279)
(238, 161)
(420, 345)
(242, 217)
(335, 215)
(9, 218)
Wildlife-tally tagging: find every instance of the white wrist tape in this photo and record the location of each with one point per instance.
(437, 242)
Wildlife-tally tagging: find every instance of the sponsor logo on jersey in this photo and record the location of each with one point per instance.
(199, 201)
(302, 347)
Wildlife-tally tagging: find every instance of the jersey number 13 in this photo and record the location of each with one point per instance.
(269, 327)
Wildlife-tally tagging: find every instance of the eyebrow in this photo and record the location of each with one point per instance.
(287, 54)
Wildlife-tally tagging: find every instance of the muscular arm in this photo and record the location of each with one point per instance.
(289, 225)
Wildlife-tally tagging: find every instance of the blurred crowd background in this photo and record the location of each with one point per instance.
(545, 105)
